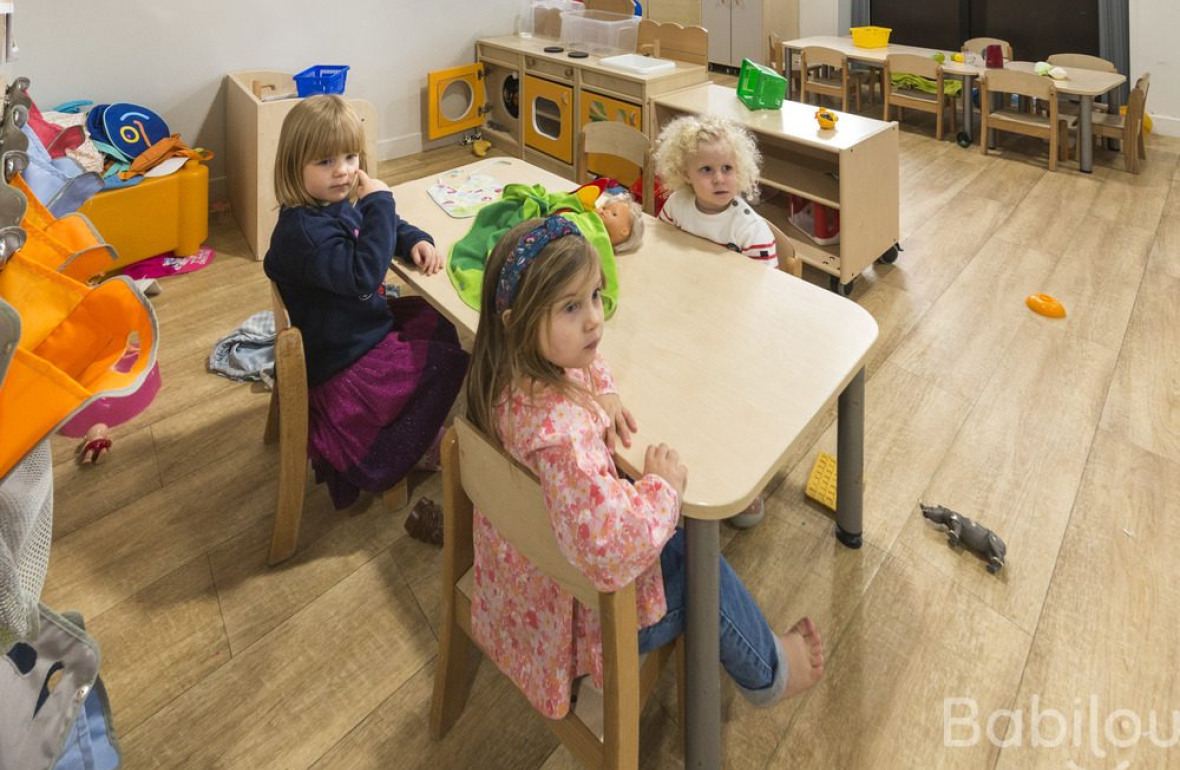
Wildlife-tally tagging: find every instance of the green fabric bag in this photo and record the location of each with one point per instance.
(919, 83)
(465, 264)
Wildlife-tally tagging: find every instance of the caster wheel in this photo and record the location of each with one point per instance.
(963, 139)
(889, 257)
(843, 289)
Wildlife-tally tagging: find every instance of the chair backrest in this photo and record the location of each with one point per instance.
(1023, 83)
(977, 44)
(1082, 61)
(1144, 82)
(613, 6)
(1133, 124)
(509, 496)
(912, 64)
(611, 137)
(775, 57)
(282, 318)
(788, 262)
(818, 55)
(669, 40)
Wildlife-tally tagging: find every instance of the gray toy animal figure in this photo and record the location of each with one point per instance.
(978, 538)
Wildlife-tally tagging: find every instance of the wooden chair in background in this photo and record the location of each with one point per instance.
(825, 72)
(913, 98)
(610, 137)
(976, 45)
(1127, 128)
(1052, 127)
(669, 40)
(788, 260)
(286, 422)
(477, 473)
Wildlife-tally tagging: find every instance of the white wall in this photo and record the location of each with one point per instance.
(172, 56)
(819, 17)
(1154, 25)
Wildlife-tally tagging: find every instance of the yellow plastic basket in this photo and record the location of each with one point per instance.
(870, 37)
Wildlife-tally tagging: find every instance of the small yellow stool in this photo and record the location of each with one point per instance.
(167, 213)
(821, 482)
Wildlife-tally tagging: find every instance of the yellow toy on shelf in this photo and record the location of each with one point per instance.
(821, 482)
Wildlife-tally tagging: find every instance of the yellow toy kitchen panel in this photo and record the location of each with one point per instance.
(455, 100)
(596, 107)
(548, 118)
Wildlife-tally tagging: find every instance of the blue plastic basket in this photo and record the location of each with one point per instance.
(321, 79)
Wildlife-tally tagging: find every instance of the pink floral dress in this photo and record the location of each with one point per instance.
(610, 528)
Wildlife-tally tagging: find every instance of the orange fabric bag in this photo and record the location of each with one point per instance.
(77, 344)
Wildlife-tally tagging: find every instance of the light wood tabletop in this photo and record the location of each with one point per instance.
(717, 356)
(725, 360)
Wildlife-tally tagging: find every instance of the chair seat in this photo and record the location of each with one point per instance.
(1109, 120)
(828, 82)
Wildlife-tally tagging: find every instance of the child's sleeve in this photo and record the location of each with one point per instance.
(407, 237)
(346, 259)
(757, 241)
(610, 529)
(601, 377)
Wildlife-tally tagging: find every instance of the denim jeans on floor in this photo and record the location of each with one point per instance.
(749, 650)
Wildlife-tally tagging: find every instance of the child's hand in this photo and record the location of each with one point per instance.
(664, 462)
(366, 184)
(622, 424)
(426, 257)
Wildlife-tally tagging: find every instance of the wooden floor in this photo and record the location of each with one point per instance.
(1062, 435)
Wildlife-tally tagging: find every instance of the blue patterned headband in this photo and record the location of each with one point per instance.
(526, 250)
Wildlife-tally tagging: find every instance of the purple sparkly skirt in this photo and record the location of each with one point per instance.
(370, 423)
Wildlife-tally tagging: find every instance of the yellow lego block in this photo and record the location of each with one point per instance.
(821, 482)
(167, 213)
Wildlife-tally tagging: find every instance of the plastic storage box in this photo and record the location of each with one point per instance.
(818, 222)
(870, 37)
(321, 79)
(760, 87)
(600, 32)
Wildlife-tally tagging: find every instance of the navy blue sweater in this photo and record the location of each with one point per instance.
(329, 263)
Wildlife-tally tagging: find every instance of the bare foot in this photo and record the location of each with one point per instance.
(805, 656)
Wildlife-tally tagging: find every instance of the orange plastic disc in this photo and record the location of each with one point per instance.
(1045, 305)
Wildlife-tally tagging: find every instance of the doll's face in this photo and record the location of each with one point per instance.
(616, 216)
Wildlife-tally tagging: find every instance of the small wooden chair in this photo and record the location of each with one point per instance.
(825, 72)
(286, 422)
(976, 45)
(788, 260)
(477, 473)
(1128, 128)
(938, 102)
(610, 137)
(669, 40)
(1052, 127)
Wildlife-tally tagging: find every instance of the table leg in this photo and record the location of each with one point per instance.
(850, 447)
(702, 733)
(1086, 134)
(968, 108)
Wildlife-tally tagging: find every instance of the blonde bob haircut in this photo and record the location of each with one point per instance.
(683, 137)
(507, 349)
(318, 127)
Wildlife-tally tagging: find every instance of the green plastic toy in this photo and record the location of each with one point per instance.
(760, 87)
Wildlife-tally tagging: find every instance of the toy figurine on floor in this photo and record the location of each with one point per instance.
(964, 531)
(425, 522)
(95, 444)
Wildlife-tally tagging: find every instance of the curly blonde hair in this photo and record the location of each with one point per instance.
(683, 137)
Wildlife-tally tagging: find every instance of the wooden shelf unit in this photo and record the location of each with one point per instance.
(853, 168)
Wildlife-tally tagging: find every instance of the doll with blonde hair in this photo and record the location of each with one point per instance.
(711, 164)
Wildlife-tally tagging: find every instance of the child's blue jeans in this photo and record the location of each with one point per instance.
(750, 650)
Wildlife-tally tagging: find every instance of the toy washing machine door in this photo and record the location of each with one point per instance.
(503, 97)
(455, 100)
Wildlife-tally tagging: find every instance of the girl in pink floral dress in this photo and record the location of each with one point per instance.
(537, 383)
